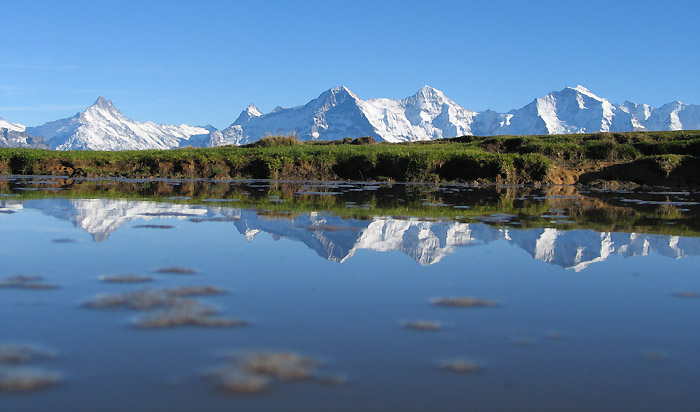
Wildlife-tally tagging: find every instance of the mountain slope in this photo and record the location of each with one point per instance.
(103, 127)
(578, 110)
(339, 113)
(572, 110)
(14, 135)
(335, 114)
(426, 115)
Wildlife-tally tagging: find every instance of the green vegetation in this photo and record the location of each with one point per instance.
(670, 158)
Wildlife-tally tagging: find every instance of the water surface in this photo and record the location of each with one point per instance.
(592, 295)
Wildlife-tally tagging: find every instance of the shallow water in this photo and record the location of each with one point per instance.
(579, 300)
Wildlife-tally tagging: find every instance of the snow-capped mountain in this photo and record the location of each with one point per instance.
(14, 135)
(338, 113)
(103, 127)
(14, 127)
(578, 110)
(335, 114)
(572, 110)
(430, 114)
(427, 115)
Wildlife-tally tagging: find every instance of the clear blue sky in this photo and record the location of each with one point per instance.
(201, 62)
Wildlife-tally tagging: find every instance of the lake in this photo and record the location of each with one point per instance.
(184, 295)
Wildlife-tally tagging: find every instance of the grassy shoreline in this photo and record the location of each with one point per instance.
(647, 158)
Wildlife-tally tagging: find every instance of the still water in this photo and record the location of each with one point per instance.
(257, 295)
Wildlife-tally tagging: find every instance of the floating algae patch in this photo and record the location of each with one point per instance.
(176, 270)
(168, 307)
(185, 312)
(463, 302)
(64, 240)
(22, 379)
(686, 295)
(524, 343)
(136, 300)
(422, 325)
(233, 380)
(153, 227)
(149, 298)
(26, 282)
(14, 353)
(555, 335)
(460, 365)
(654, 356)
(281, 365)
(194, 291)
(255, 372)
(125, 278)
(15, 376)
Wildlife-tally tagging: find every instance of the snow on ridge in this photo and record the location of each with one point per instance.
(15, 127)
(102, 126)
(338, 113)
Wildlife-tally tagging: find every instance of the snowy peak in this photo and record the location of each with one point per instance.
(247, 114)
(104, 104)
(334, 114)
(571, 110)
(584, 91)
(102, 126)
(426, 115)
(427, 93)
(333, 97)
(338, 113)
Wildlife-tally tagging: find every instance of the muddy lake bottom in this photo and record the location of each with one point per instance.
(186, 303)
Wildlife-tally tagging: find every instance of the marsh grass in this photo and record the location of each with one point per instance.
(509, 159)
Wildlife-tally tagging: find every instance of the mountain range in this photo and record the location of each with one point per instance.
(338, 113)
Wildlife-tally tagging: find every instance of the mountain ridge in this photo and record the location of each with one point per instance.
(102, 126)
(337, 113)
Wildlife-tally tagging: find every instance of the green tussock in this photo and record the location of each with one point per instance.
(641, 157)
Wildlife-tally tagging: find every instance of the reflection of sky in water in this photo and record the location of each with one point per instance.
(349, 314)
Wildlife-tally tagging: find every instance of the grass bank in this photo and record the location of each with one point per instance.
(668, 158)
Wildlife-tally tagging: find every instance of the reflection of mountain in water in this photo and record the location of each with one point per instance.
(101, 217)
(337, 239)
(577, 249)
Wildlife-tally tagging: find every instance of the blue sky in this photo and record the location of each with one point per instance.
(203, 62)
